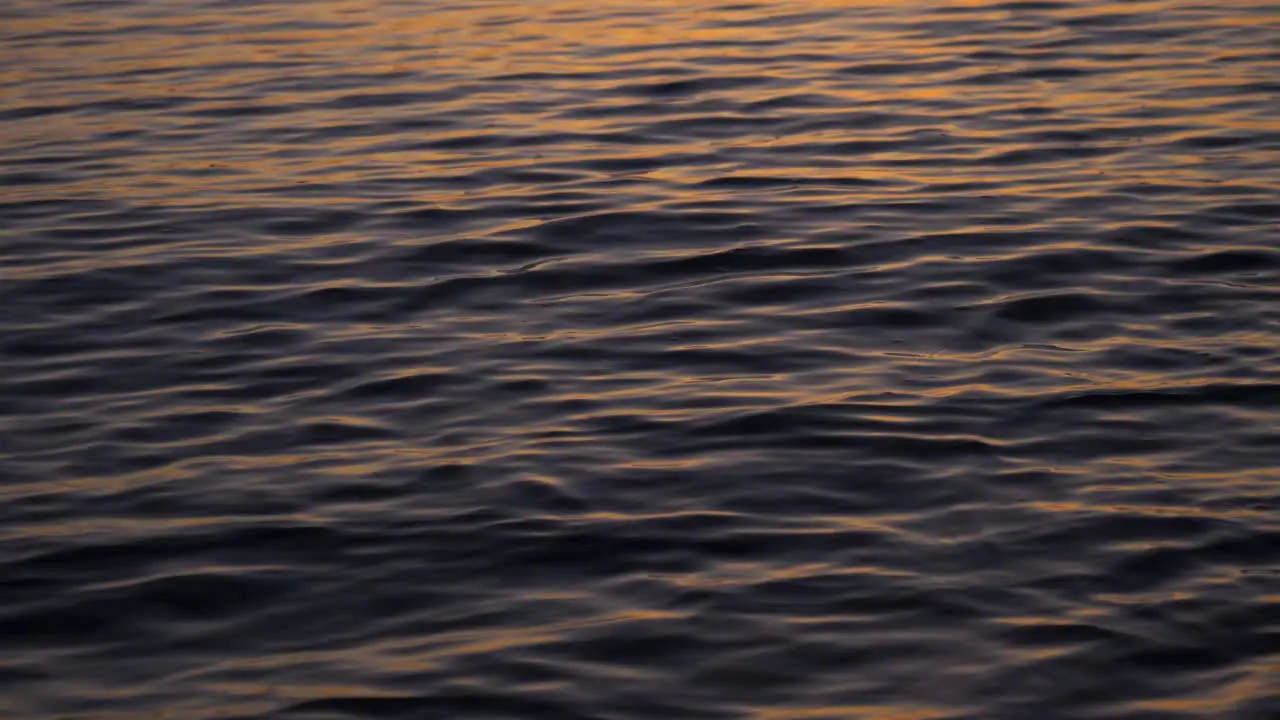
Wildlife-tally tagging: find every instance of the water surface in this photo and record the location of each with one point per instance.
(612, 360)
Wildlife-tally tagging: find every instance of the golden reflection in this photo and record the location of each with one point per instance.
(434, 105)
(1151, 510)
(456, 59)
(861, 712)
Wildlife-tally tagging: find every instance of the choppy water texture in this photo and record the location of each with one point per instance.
(644, 359)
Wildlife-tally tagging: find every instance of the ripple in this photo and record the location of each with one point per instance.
(698, 360)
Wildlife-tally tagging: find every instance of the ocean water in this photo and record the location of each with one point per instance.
(621, 360)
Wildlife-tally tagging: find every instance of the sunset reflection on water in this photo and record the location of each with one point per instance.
(814, 359)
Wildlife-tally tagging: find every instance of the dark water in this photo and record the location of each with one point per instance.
(611, 360)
